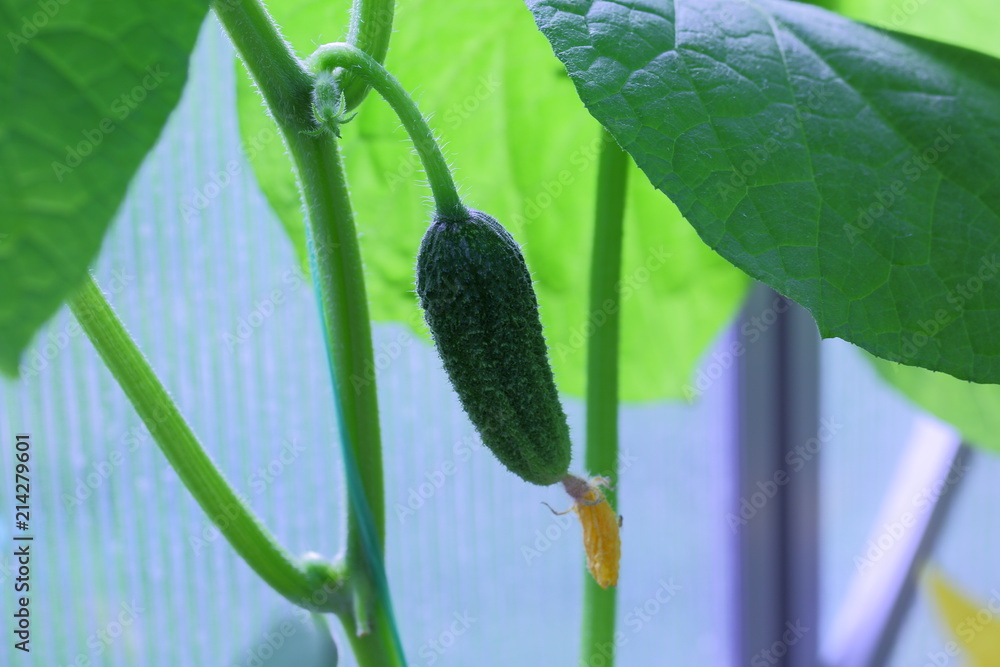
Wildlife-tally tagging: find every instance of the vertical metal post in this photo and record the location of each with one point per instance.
(776, 522)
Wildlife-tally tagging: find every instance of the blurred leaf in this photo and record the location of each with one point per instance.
(968, 23)
(82, 100)
(525, 152)
(975, 626)
(971, 408)
(852, 169)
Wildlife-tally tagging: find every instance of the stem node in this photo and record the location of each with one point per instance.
(330, 57)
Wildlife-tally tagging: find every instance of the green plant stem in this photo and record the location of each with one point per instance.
(286, 86)
(337, 274)
(224, 507)
(602, 374)
(373, 650)
(341, 55)
(280, 76)
(335, 262)
(371, 28)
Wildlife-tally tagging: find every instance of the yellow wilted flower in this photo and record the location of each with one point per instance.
(601, 539)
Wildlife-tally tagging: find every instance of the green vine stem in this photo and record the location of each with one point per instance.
(341, 55)
(286, 86)
(221, 503)
(371, 28)
(280, 76)
(602, 375)
(335, 261)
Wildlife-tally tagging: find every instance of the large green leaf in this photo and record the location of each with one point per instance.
(853, 169)
(82, 99)
(971, 408)
(524, 151)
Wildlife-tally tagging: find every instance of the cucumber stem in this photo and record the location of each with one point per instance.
(335, 262)
(342, 55)
(281, 77)
(602, 376)
(370, 30)
(227, 510)
(286, 85)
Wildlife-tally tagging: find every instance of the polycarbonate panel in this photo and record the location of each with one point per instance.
(127, 570)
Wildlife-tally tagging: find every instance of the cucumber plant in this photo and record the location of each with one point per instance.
(850, 167)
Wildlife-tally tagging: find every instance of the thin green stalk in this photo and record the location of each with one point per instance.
(371, 28)
(221, 503)
(337, 275)
(602, 375)
(341, 55)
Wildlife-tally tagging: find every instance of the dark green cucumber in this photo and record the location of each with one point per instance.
(479, 302)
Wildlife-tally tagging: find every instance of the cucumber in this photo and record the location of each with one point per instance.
(479, 303)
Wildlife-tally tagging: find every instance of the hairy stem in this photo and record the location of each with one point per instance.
(335, 263)
(340, 55)
(371, 28)
(280, 76)
(337, 274)
(602, 374)
(221, 503)
(335, 259)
